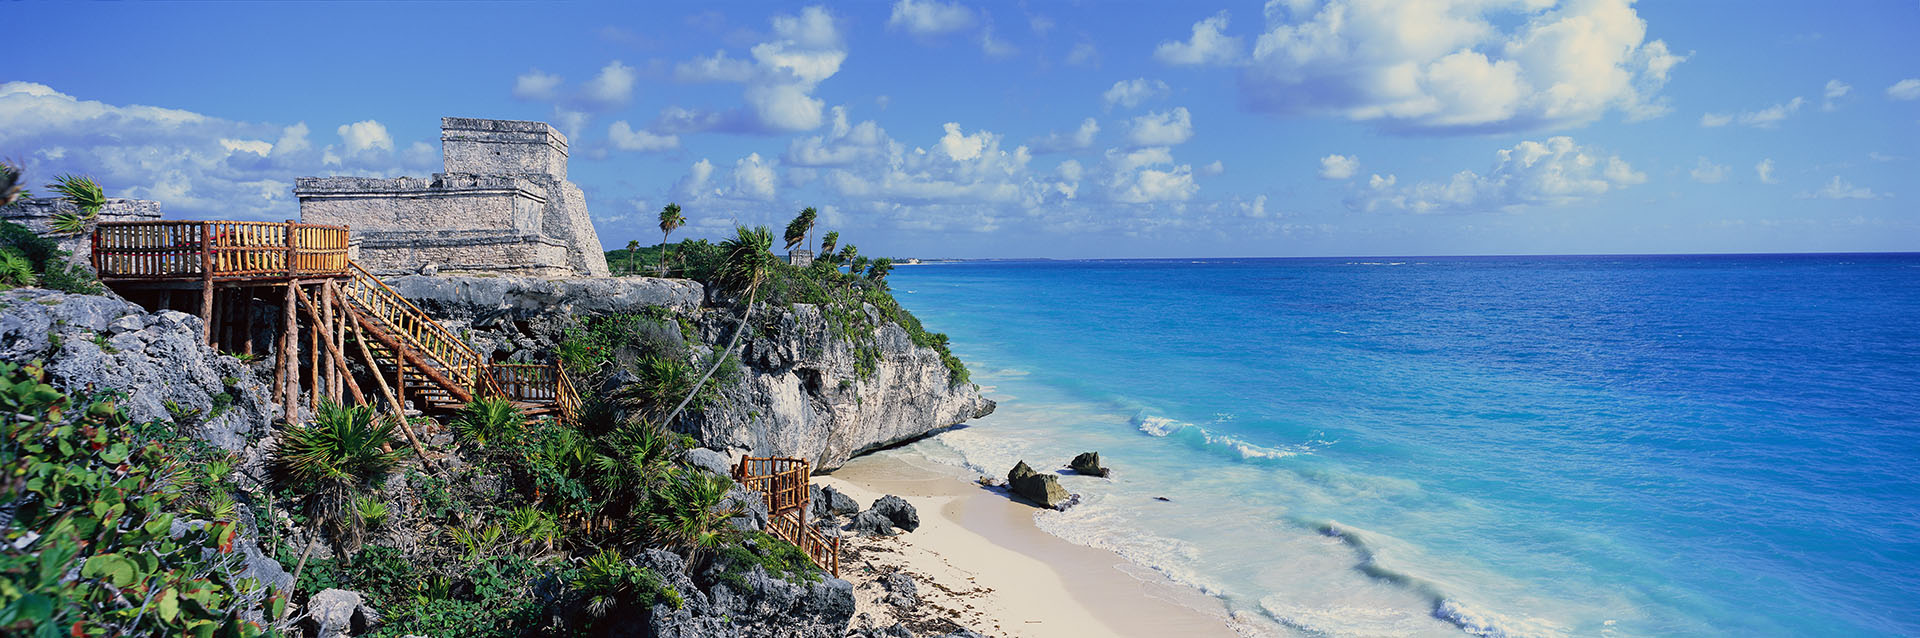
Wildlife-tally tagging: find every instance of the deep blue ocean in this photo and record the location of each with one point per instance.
(1501, 446)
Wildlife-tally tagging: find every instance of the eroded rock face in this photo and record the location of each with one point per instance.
(154, 358)
(803, 390)
(755, 605)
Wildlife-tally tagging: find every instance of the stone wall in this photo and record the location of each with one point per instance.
(37, 215)
(504, 205)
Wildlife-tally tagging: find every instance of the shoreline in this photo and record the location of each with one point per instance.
(979, 559)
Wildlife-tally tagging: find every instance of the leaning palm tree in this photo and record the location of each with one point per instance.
(633, 256)
(85, 194)
(798, 229)
(670, 220)
(748, 260)
(828, 242)
(690, 513)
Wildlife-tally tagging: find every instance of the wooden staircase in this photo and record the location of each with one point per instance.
(438, 368)
(783, 483)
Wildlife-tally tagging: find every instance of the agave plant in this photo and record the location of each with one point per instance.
(491, 421)
(15, 269)
(691, 512)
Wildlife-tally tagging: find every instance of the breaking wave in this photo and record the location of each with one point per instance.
(1168, 428)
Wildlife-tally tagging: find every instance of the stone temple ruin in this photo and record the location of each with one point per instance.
(504, 205)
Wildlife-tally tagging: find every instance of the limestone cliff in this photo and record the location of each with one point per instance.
(805, 389)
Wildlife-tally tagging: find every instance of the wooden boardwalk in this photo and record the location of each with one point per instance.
(298, 280)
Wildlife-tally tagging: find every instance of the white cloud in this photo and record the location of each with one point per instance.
(1841, 189)
(535, 85)
(1769, 117)
(1551, 173)
(625, 138)
(845, 144)
(1162, 128)
(1764, 170)
(1338, 166)
(695, 184)
(1216, 168)
(1083, 54)
(613, 86)
(1883, 157)
(754, 178)
(929, 17)
(1207, 45)
(1456, 66)
(1057, 141)
(804, 51)
(1040, 24)
(995, 47)
(1147, 175)
(365, 135)
(1908, 89)
(1131, 93)
(195, 165)
(1707, 172)
(1835, 90)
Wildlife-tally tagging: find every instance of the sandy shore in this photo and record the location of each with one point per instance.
(978, 559)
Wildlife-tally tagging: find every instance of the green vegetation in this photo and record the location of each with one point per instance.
(781, 559)
(333, 461)
(47, 264)
(94, 498)
(670, 220)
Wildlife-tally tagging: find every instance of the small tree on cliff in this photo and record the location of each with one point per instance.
(877, 272)
(828, 242)
(798, 229)
(670, 220)
(749, 258)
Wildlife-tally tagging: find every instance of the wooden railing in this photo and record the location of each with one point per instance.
(222, 250)
(539, 383)
(454, 358)
(782, 480)
(824, 551)
(569, 398)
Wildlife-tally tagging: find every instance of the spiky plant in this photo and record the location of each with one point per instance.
(661, 382)
(533, 526)
(15, 269)
(215, 506)
(631, 462)
(610, 583)
(331, 459)
(690, 513)
(491, 422)
(82, 191)
(372, 511)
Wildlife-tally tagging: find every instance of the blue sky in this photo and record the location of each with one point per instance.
(976, 129)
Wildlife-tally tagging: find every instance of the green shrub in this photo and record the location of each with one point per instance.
(491, 422)
(88, 549)
(610, 583)
(15, 270)
(780, 558)
(330, 460)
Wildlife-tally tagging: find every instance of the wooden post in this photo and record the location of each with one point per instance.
(206, 282)
(326, 339)
(290, 340)
(246, 319)
(399, 411)
(313, 363)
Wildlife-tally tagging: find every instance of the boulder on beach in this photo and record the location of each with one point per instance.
(1088, 463)
(826, 502)
(888, 512)
(1042, 489)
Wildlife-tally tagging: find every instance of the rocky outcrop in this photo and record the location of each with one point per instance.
(1088, 463)
(826, 502)
(338, 613)
(804, 390)
(156, 359)
(1043, 489)
(756, 604)
(803, 393)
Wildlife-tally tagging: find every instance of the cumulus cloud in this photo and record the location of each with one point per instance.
(929, 17)
(535, 85)
(612, 86)
(1764, 170)
(1551, 173)
(1146, 175)
(1162, 128)
(1835, 90)
(1338, 166)
(754, 178)
(625, 138)
(778, 80)
(1457, 66)
(1209, 44)
(1908, 89)
(1837, 188)
(1078, 139)
(1707, 172)
(193, 164)
(1769, 117)
(1131, 93)
(696, 183)
(844, 144)
(365, 135)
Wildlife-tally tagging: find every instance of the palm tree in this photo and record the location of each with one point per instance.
(691, 513)
(828, 242)
(801, 225)
(670, 220)
(749, 258)
(633, 249)
(877, 273)
(847, 254)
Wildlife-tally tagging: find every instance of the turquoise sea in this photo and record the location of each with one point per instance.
(1502, 446)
